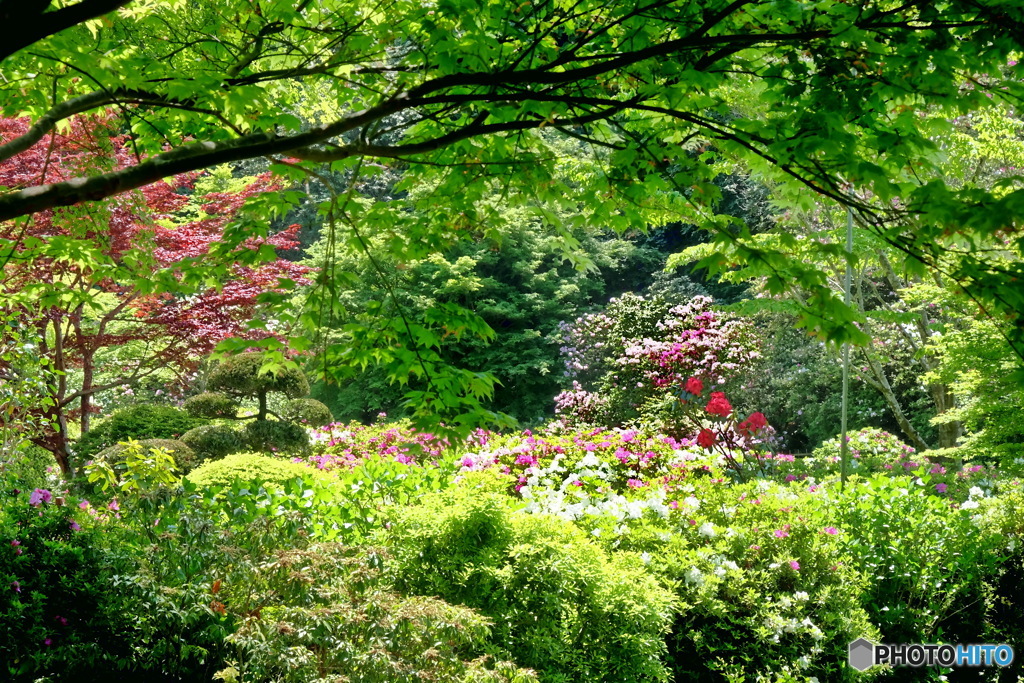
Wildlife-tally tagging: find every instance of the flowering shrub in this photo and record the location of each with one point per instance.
(588, 463)
(873, 452)
(344, 446)
(931, 567)
(57, 615)
(650, 353)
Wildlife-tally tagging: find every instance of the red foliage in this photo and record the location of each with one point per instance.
(105, 255)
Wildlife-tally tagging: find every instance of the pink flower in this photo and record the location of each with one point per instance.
(941, 488)
(15, 586)
(794, 565)
(39, 496)
(48, 642)
(113, 505)
(84, 505)
(779, 533)
(75, 527)
(831, 530)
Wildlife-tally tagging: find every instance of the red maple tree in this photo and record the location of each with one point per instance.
(106, 282)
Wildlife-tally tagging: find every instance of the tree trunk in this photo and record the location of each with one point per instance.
(263, 406)
(881, 383)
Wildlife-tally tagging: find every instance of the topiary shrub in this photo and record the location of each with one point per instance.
(307, 411)
(139, 422)
(239, 376)
(184, 457)
(268, 435)
(211, 404)
(213, 442)
(559, 603)
(248, 467)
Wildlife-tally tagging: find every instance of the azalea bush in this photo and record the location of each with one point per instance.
(58, 615)
(344, 446)
(629, 363)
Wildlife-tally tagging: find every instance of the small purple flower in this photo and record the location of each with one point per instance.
(794, 565)
(831, 530)
(941, 488)
(48, 642)
(113, 505)
(779, 533)
(15, 586)
(61, 620)
(74, 526)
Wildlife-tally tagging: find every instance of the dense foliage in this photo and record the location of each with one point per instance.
(344, 342)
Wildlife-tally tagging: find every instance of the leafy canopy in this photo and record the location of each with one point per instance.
(819, 96)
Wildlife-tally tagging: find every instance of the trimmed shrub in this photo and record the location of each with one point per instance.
(213, 442)
(270, 435)
(211, 404)
(307, 411)
(139, 422)
(184, 457)
(240, 375)
(248, 467)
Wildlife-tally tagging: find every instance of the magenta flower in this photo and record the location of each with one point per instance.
(15, 586)
(831, 530)
(74, 526)
(48, 642)
(39, 496)
(794, 565)
(84, 505)
(61, 620)
(941, 488)
(779, 533)
(113, 505)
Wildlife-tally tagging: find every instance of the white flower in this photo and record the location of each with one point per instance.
(596, 532)
(707, 529)
(729, 564)
(645, 557)
(976, 492)
(719, 571)
(694, 576)
(969, 505)
(803, 662)
(691, 502)
(800, 595)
